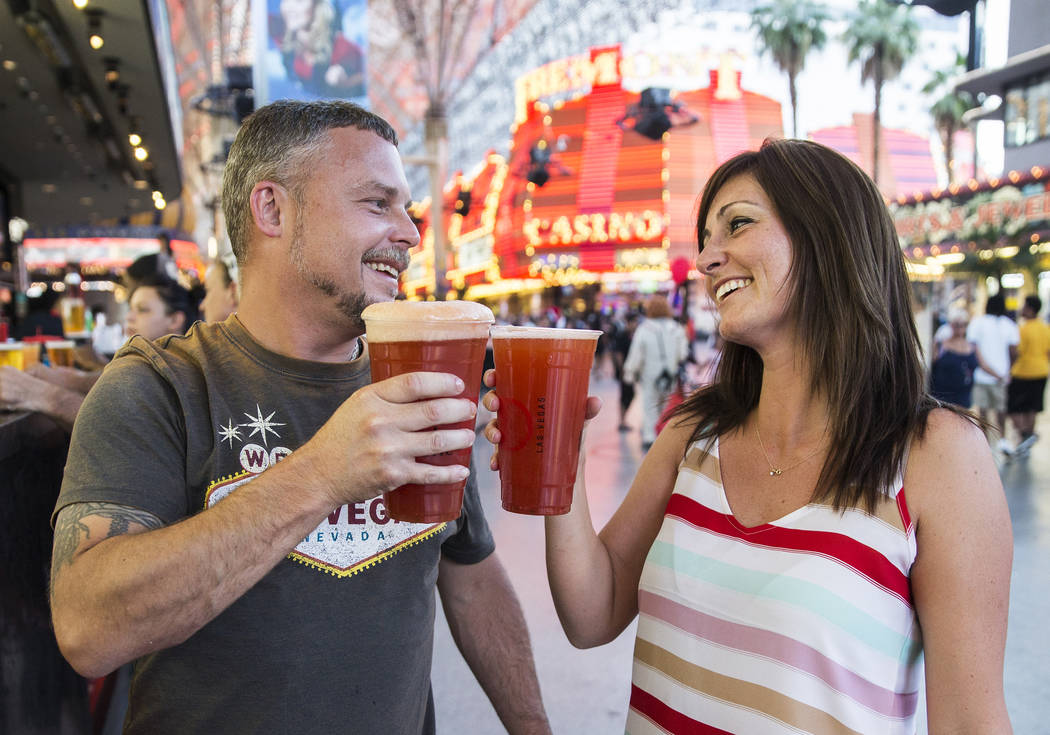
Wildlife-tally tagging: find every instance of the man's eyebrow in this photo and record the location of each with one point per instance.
(372, 187)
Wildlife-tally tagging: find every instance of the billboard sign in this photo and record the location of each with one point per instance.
(310, 49)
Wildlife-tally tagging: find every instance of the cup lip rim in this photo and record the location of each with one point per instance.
(428, 320)
(59, 343)
(559, 332)
(12, 345)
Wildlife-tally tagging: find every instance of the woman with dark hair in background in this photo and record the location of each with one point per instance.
(159, 306)
(220, 292)
(812, 530)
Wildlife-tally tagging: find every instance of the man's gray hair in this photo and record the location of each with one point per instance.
(278, 143)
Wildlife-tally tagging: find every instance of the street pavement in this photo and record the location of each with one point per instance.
(586, 692)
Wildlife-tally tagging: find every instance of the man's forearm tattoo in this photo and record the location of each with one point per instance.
(70, 529)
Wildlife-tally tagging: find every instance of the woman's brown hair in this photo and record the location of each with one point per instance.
(851, 302)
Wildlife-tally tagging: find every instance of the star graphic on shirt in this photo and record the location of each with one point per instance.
(260, 425)
(229, 433)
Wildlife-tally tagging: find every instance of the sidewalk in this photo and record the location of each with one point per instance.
(586, 692)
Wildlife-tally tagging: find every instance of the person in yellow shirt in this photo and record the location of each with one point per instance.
(1024, 398)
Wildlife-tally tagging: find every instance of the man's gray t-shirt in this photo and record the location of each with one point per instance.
(338, 636)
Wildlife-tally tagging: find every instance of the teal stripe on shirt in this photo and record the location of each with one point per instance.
(812, 597)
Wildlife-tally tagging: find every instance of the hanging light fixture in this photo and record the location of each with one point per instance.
(112, 66)
(94, 20)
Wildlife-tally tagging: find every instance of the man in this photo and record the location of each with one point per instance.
(1028, 375)
(219, 521)
(995, 335)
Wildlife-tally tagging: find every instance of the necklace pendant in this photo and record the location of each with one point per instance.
(775, 473)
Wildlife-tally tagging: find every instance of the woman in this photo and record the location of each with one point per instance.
(951, 374)
(658, 348)
(220, 292)
(804, 517)
(159, 306)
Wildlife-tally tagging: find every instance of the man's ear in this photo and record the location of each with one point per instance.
(271, 205)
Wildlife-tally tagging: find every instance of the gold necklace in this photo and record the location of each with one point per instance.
(778, 471)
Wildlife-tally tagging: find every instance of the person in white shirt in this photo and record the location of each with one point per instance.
(996, 337)
(659, 346)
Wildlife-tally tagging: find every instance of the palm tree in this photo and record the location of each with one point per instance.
(789, 30)
(949, 109)
(882, 37)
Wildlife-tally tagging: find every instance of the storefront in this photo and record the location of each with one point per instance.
(994, 233)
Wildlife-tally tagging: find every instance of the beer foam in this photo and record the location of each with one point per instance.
(405, 321)
(502, 332)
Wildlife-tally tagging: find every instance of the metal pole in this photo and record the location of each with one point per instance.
(435, 131)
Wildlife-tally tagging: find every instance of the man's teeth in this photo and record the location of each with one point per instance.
(383, 268)
(729, 286)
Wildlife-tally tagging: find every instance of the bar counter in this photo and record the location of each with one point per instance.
(39, 692)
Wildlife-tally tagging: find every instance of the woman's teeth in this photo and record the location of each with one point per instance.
(729, 286)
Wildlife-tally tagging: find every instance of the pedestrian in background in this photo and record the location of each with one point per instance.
(996, 336)
(1024, 398)
(767, 540)
(621, 346)
(951, 374)
(657, 352)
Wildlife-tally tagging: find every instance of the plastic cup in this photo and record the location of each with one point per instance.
(60, 352)
(542, 387)
(13, 354)
(73, 316)
(429, 336)
(30, 354)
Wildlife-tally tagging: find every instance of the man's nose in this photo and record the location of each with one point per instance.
(407, 232)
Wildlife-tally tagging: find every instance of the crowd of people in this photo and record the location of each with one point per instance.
(158, 304)
(997, 367)
(789, 545)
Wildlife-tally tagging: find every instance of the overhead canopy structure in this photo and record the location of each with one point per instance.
(67, 110)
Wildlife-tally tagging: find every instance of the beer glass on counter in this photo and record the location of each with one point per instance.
(431, 336)
(13, 355)
(60, 352)
(542, 382)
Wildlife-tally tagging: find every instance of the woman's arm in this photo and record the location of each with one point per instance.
(961, 576)
(594, 577)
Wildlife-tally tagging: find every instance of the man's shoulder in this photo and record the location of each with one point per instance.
(174, 357)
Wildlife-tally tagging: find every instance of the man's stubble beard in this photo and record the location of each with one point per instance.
(350, 305)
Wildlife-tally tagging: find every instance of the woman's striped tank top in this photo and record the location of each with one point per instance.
(802, 625)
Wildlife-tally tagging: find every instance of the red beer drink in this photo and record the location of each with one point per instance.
(429, 336)
(542, 382)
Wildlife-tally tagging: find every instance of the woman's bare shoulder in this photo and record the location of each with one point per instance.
(949, 462)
